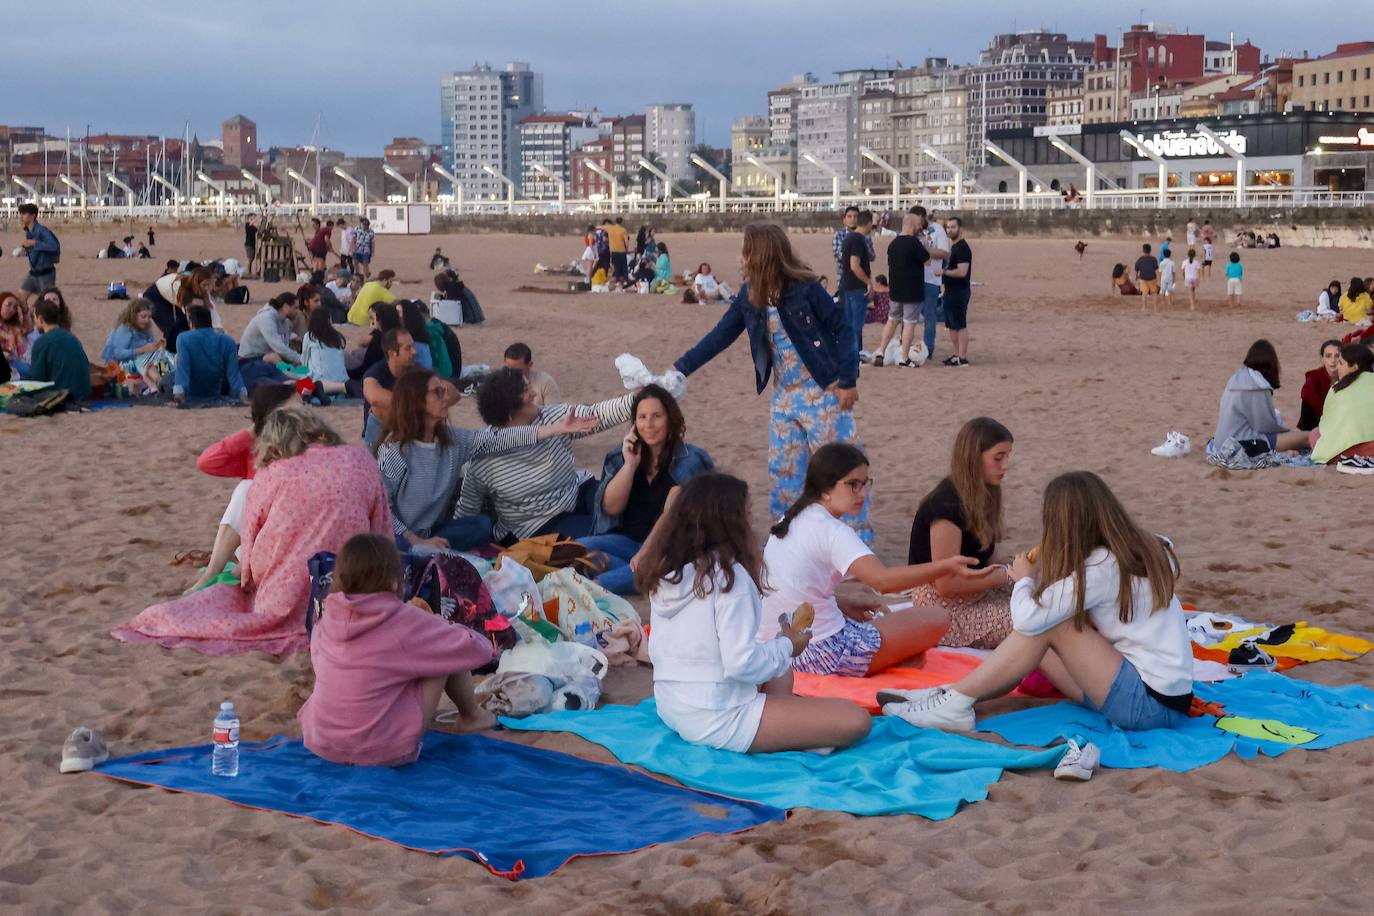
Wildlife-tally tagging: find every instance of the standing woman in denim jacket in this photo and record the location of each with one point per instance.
(799, 337)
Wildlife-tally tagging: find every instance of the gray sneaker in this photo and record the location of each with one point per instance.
(83, 751)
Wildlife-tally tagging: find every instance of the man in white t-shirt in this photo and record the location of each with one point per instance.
(934, 237)
(345, 248)
(1192, 232)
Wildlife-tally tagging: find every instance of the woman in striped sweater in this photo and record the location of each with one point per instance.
(422, 457)
(538, 489)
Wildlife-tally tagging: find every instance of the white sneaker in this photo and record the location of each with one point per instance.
(1078, 762)
(1175, 445)
(82, 751)
(935, 707)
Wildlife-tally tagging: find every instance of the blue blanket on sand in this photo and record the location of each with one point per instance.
(1295, 713)
(897, 769)
(520, 811)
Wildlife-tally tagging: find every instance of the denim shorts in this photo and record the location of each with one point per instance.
(847, 653)
(1130, 706)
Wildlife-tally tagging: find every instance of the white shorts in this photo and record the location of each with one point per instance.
(730, 729)
(233, 513)
(1192, 239)
(1233, 287)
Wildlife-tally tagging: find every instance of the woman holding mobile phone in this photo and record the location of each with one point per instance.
(639, 481)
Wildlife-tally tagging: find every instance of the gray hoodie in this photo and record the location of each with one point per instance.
(1247, 408)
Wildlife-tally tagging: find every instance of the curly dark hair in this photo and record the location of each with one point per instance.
(501, 396)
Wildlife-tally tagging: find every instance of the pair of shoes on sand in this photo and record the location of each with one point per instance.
(949, 710)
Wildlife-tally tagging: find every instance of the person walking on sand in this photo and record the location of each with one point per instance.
(250, 242)
(43, 251)
(799, 337)
(1207, 252)
(1235, 272)
(1147, 273)
(1192, 269)
(958, 289)
(1192, 231)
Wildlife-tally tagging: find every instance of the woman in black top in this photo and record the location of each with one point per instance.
(963, 516)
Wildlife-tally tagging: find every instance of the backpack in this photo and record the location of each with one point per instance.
(39, 404)
(237, 296)
(453, 589)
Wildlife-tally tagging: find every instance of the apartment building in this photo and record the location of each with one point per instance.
(480, 113)
(1009, 86)
(670, 131)
(549, 140)
(585, 182)
(1339, 81)
(827, 123)
(877, 134)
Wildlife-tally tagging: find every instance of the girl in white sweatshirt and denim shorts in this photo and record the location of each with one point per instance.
(715, 684)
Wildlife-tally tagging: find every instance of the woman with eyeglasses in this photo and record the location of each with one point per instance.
(422, 457)
(963, 515)
(811, 551)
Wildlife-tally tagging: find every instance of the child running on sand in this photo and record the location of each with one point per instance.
(1094, 609)
(714, 683)
(1192, 269)
(1235, 273)
(382, 665)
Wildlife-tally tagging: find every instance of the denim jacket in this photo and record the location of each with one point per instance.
(687, 463)
(46, 250)
(122, 343)
(813, 322)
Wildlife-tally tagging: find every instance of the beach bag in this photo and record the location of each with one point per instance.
(117, 290)
(321, 567)
(581, 608)
(239, 295)
(546, 553)
(41, 403)
(453, 589)
(510, 585)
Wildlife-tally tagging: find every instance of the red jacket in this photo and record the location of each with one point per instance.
(1314, 389)
(231, 456)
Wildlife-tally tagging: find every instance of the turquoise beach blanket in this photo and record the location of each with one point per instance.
(897, 769)
(1267, 713)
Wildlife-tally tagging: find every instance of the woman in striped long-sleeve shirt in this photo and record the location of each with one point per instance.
(422, 457)
(538, 489)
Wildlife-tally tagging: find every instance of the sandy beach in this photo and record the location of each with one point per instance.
(98, 503)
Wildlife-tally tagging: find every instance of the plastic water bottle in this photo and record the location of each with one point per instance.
(224, 759)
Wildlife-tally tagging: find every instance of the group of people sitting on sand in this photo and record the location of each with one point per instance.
(1353, 304)
(733, 619)
(1336, 419)
(725, 636)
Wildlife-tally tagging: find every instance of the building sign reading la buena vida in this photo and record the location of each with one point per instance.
(1182, 144)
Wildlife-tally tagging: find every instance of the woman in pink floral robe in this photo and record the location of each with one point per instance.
(298, 506)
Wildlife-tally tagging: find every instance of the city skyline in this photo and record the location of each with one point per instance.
(229, 65)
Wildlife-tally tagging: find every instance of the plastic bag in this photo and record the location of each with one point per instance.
(510, 584)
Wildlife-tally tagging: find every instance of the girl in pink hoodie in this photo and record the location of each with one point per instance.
(381, 665)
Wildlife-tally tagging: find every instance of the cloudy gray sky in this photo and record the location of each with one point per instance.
(370, 68)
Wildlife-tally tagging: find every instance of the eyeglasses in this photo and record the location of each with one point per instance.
(436, 392)
(858, 486)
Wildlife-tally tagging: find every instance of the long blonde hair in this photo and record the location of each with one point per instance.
(770, 264)
(288, 431)
(1082, 514)
(981, 501)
